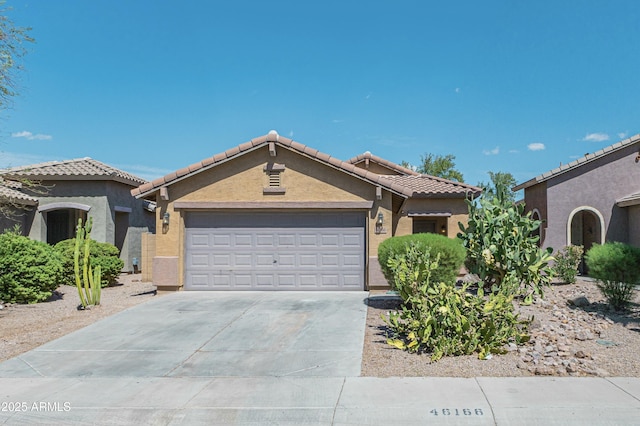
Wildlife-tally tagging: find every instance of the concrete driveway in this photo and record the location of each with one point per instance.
(211, 334)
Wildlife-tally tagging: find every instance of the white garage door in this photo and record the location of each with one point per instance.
(275, 251)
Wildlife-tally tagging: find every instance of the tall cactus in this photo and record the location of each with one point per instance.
(89, 288)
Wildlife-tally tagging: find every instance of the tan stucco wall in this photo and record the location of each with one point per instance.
(456, 206)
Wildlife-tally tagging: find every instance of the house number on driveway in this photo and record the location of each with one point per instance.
(457, 412)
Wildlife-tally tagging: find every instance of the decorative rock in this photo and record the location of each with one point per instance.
(580, 354)
(579, 301)
(584, 335)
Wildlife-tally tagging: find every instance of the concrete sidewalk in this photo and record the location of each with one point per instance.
(266, 358)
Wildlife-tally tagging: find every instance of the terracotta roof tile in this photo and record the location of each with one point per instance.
(428, 186)
(83, 168)
(9, 192)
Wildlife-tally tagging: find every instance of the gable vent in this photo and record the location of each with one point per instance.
(274, 179)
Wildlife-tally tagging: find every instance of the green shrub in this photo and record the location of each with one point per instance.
(451, 252)
(104, 255)
(447, 321)
(29, 270)
(567, 261)
(502, 249)
(616, 267)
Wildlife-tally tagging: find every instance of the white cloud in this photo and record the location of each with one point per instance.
(494, 151)
(596, 137)
(31, 137)
(536, 146)
(623, 135)
(513, 151)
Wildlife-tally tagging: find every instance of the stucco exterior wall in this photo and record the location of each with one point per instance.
(595, 185)
(103, 197)
(456, 206)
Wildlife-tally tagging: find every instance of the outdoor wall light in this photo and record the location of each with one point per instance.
(379, 223)
(165, 218)
(443, 229)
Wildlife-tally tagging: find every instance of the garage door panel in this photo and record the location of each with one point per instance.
(242, 240)
(308, 260)
(287, 260)
(304, 251)
(199, 260)
(220, 240)
(200, 240)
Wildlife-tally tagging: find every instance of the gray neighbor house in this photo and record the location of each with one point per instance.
(47, 199)
(594, 199)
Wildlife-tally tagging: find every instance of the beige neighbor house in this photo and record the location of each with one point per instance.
(274, 214)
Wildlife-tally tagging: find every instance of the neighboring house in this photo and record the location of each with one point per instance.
(591, 200)
(275, 214)
(65, 191)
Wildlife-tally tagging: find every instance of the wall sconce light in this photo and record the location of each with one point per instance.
(443, 229)
(379, 224)
(165, 219)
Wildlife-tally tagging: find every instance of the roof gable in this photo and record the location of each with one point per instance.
(394, 169)
(579, 162)
(348, 167)
(78, 169)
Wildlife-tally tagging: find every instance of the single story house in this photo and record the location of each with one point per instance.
(593, 199)
(275, 214)
(47, 199)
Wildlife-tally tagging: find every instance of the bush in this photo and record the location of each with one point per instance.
(104, 255)
(616, 267)
(567, 262)
(451, 252)
(502, 249)
(445, 320)
(29, 270)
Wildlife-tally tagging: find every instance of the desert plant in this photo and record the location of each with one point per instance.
(502, 249)
(616, 267)
(88, 284)
(445, 320)
(567, 261)
(29, 270)
(450, 251)
(104, 254)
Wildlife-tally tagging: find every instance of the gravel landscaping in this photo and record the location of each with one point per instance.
(567, 340)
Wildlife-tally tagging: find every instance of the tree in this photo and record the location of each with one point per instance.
(12, 48)
(500, 181)
(439, 165)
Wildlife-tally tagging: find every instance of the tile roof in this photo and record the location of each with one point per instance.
(578, 163)
(9, 192)
(398, 187)
(393, 166)
(425, 186)
(78, 169)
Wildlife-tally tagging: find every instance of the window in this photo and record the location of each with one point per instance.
(424, 226)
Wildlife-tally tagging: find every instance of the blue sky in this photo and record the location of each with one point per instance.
(153, 86)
